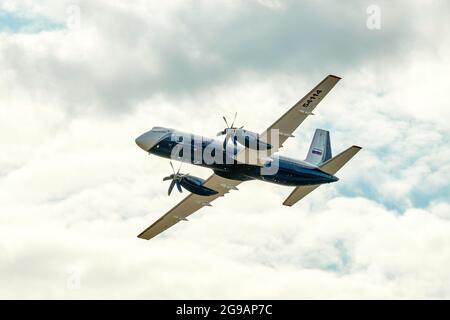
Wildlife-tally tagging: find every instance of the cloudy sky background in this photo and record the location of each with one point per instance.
(76, 190)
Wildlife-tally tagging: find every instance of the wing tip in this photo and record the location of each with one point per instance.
(355, 146)
(142, 236)
(333, 76)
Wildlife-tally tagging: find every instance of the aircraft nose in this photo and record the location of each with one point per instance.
(140, 141)
(147, 140)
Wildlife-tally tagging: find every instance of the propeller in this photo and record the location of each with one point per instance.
(176, 178)
(229, 131)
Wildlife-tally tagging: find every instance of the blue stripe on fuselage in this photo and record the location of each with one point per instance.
(290, 172)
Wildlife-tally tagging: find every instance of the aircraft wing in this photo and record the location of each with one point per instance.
(290, 121)
(189, 205)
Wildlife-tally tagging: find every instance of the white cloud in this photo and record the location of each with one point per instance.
(78, 190)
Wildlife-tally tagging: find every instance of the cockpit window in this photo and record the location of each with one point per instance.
(160, 129)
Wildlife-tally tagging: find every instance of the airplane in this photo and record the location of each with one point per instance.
(244, 155)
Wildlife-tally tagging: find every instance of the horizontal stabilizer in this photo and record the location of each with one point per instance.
(298, 194)
(331, 166)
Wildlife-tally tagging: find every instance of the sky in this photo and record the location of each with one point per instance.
(80, 80)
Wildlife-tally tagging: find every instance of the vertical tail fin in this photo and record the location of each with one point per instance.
(320, 149)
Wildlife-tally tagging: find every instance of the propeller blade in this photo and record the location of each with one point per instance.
(179, 186)
(235, 115)
(179, 168)
(167, 178)
(221, 133)
(226, 122)
(172, 184)
(172, 167)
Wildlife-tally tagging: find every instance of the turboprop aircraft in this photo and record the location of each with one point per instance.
(244, 155)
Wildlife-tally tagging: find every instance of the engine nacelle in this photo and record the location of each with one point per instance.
(195, 185)
(251, 140)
